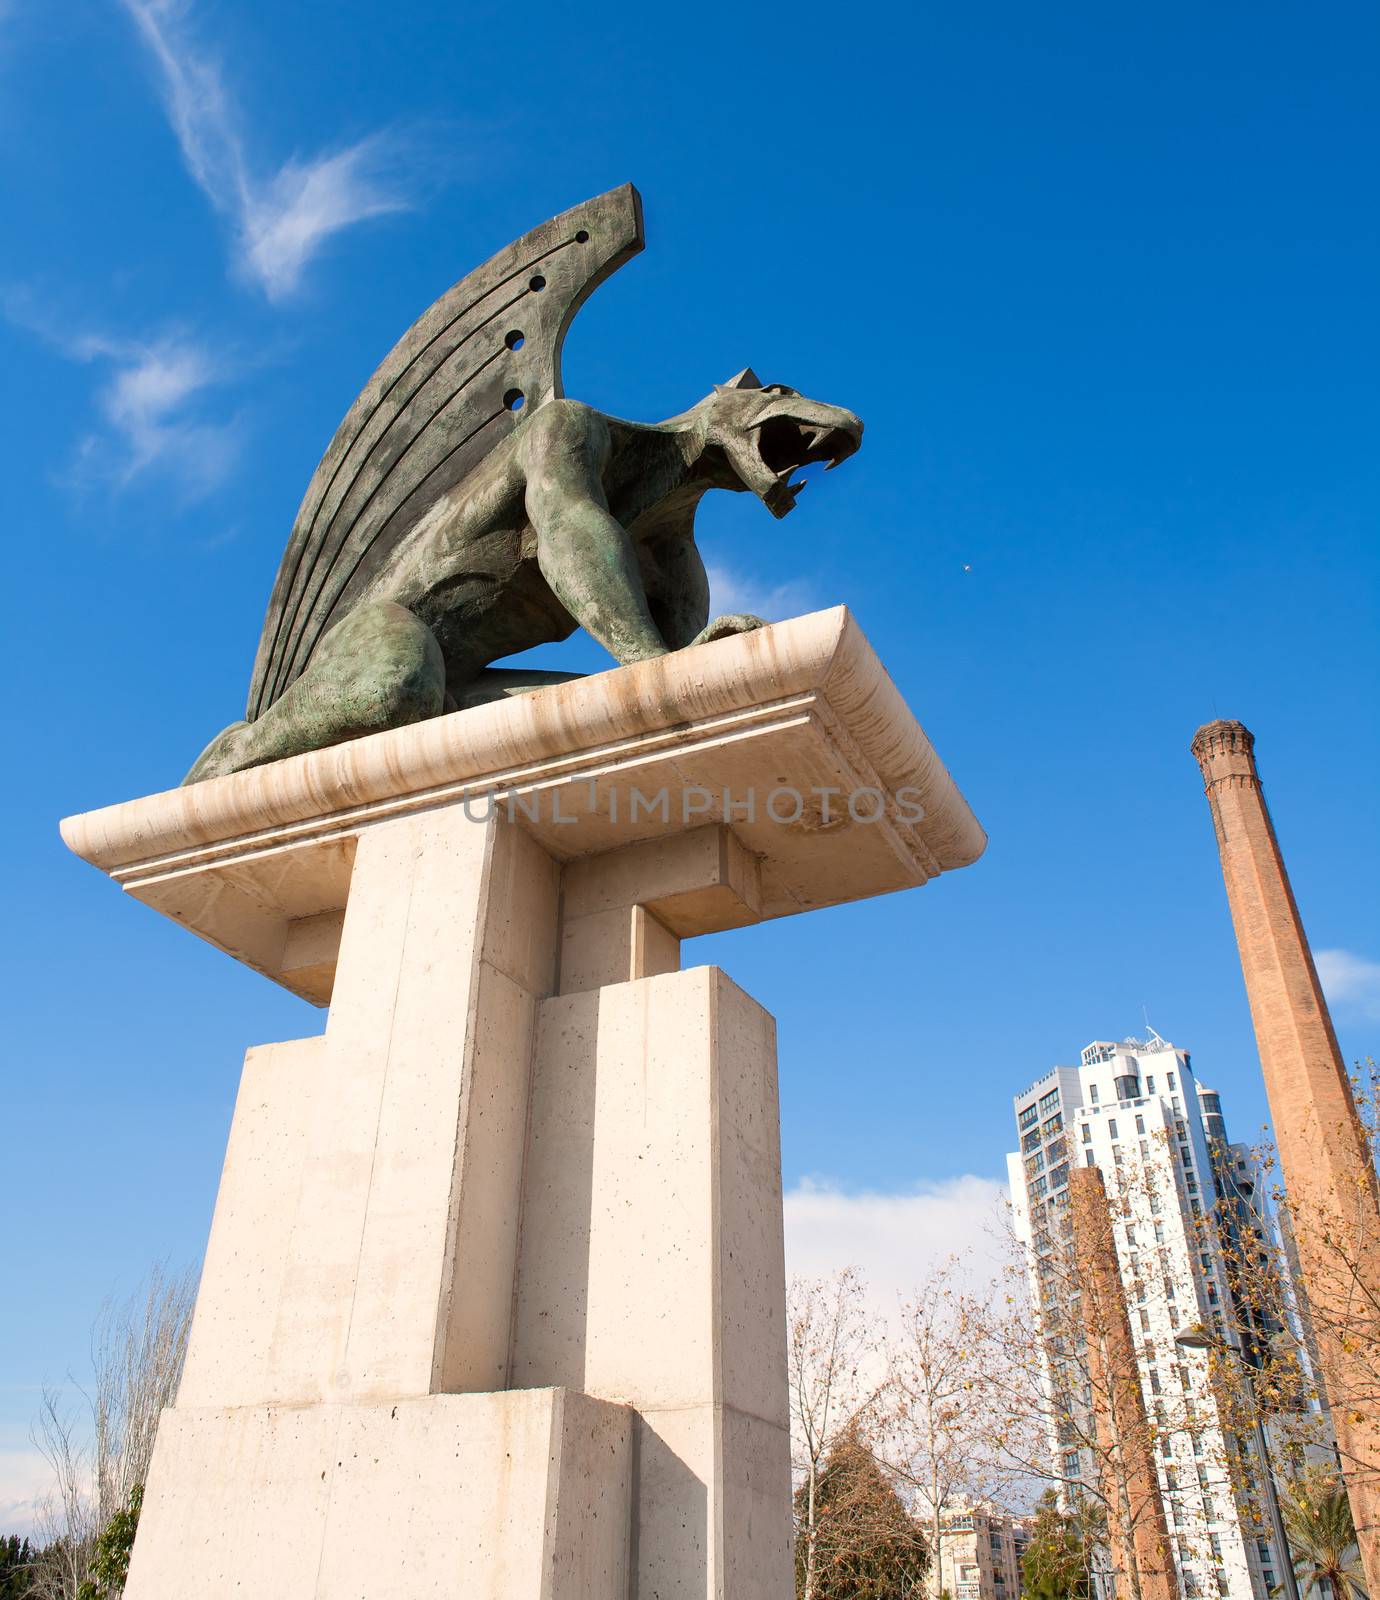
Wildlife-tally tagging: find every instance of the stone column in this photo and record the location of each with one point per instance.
(1323, 1151)
(1137, 1529)
(494, 1305)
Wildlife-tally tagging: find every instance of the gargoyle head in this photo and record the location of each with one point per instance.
(768, 432)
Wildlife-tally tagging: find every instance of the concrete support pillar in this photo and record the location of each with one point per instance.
(1324, 1156)
(658, 1276)
(381, 1244)
(1138, 1532)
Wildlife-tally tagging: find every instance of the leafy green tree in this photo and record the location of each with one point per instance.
(16, 1564)
(1056, 1561)
(110, 1559)
(1322, 1537)
(866, 1545)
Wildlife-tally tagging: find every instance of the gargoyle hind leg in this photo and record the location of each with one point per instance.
(501, 683)
(378, 668)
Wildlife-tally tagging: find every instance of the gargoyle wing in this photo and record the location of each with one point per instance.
(445, 395)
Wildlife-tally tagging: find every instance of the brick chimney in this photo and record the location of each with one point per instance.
(1137, 1531)
(1324, 1155)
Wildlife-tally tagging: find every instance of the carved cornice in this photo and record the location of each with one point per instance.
(802, 709)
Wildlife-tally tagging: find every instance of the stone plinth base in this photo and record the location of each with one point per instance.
(494, 1297)
(484, 1496)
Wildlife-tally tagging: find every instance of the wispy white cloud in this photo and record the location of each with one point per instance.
(279, 220)
(26, 1479)
(151, 404)
(895, 1238)
(1350, 981)
(730, 590)
(148, 404)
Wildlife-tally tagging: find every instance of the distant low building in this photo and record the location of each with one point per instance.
(980, 1553)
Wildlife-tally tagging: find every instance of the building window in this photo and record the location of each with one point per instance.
(1087, 1133)
(1030, 1114)
(1169, 1079)
(1111, 1128)
(1049, 1103)
(1150, 1084)
(1140, 1123)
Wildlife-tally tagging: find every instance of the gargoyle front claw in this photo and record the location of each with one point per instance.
(726, 626)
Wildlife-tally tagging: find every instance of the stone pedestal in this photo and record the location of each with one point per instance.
(493, 1303)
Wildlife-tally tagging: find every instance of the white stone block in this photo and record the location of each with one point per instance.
(518, 1496)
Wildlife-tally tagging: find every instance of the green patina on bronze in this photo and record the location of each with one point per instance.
(466, 511)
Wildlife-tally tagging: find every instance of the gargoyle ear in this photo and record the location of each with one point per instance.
(746, 379)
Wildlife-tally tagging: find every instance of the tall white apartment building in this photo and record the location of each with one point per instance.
(1134, 1110)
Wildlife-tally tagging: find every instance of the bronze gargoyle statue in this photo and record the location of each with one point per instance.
(466, 511)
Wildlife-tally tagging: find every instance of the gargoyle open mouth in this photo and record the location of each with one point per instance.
(785, 446)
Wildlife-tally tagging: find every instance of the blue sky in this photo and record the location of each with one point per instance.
(1101, 283)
